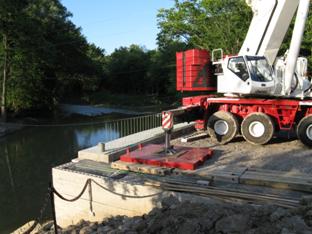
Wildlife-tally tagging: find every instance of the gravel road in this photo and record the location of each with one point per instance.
(283, 153)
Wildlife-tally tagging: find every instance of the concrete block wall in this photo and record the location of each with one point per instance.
(105, 204)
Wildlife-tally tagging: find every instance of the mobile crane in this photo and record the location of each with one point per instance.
(261, 94)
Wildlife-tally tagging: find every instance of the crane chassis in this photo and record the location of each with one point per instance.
(262, 93)
(256, 119)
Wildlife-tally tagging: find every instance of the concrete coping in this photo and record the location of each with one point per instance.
(111, 151)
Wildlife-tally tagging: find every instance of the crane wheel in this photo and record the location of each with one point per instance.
(258, 128)
(222, 126)
(304, 130)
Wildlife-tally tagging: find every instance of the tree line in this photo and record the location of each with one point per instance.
(44, 58)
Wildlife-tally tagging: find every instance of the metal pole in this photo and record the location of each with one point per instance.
(154, 117)
(53, 207)
(131, 126)
(167, 141)
(101, 146)
(128, 127)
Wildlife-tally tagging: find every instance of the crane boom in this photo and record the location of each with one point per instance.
(302, 15)
(268, 28)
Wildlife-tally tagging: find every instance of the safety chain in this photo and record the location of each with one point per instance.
(88, 184)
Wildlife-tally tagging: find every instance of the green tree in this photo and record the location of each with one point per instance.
(10, 23)
(207, 24)
(211, 24)
(44, 56)
(127, 70)
(162, 69)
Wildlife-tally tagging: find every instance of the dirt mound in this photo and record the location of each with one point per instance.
(186, 217)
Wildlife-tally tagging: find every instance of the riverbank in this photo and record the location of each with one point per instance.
(69, 114)
(8, 128)
(91, 107)
(139, 102)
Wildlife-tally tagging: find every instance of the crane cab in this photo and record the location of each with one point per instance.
(246, 75)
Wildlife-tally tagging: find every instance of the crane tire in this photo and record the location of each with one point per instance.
(304, 130)
(222, 126)
(257, 128)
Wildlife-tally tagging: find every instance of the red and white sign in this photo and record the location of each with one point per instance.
(167, 120)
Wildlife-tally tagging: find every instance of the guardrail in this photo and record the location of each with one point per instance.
(124, 127)
(111, 129)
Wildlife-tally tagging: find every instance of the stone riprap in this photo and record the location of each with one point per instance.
(187, 217)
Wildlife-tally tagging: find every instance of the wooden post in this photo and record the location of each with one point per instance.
(4, 79)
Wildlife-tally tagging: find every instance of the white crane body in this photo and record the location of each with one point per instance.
(262, 93)
(266, 33)
(292, 58)
(268, 27)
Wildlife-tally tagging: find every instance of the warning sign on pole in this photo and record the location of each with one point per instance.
(167, 120)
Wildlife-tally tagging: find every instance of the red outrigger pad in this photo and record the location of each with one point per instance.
(185, 158)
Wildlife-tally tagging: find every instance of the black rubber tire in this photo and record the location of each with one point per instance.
(302, 127)
(269, 128)
(232, 123)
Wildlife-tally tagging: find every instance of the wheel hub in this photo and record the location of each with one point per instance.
(221, 127)
(309, 132)
(257, 129)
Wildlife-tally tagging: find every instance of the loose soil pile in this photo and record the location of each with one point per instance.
(186, 217)
(281, 154)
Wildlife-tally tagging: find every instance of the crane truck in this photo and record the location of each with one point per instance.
(258, 93)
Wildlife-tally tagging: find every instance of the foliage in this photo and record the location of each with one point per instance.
(49, 60)
(306, 47)
(207, 24)
(127, 70)
(134, 70)
(162, 70)
(211, 24)
(49, 57)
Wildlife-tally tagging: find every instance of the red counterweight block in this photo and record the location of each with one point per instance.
(185, 158)
(194, 71)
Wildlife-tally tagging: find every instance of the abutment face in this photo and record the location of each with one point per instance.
(69, 183)
(69, 180)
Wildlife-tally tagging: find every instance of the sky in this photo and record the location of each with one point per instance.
(110, 24)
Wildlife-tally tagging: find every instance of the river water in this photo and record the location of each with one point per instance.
(27, 156)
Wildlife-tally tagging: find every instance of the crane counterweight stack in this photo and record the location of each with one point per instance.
(194, 72)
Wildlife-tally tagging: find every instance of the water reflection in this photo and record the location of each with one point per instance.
(26, 158)
(92, 135)
(93, 110)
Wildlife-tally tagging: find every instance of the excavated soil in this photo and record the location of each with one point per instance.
(282, 154)
(193, 218)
